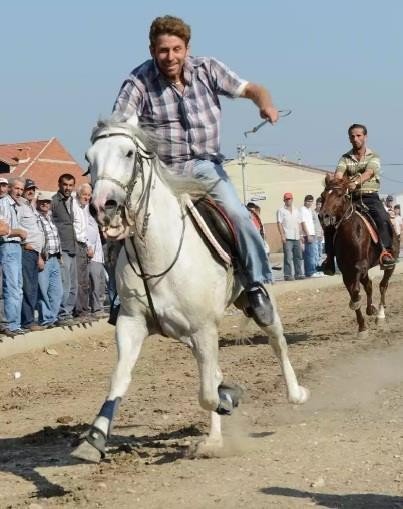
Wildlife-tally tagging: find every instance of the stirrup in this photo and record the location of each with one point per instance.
(389, 262)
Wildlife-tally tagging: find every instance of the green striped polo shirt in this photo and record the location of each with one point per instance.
(351, 167)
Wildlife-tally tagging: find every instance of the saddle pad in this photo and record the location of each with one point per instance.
(206, 232)
(370, 228)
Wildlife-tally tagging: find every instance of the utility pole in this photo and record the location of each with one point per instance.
(242, 162)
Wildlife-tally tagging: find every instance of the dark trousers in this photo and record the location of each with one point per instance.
(29, 286)
(380, 216)
(83, 279)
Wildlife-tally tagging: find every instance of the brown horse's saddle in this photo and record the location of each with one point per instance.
(370, 225)
(215, 227)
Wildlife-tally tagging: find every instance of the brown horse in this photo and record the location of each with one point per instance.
(355, 250)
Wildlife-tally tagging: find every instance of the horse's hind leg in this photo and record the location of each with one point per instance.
(130, 334)
(383, 286)
(296, 393)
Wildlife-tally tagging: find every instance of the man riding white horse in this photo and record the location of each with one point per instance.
(176, 96)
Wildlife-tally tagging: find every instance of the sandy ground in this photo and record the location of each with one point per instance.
(342, 449)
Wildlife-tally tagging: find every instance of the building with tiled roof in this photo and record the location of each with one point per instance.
(41, 161)
(264, 180)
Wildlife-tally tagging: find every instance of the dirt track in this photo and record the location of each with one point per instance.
(342, 449)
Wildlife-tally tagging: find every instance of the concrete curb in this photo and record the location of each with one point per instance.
(42, 339)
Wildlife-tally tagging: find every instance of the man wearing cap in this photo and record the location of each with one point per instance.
(288, 223)
(10, 256)
(32, 261)
(49, 279)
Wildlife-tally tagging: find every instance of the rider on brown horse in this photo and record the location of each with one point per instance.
(362, 166)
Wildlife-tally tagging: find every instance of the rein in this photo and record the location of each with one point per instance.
(140, 156)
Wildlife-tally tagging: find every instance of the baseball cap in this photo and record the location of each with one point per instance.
(29, 183)
(288, 196)
(3, 180)
(45, 196)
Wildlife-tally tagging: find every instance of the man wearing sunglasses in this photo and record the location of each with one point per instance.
(176, 97)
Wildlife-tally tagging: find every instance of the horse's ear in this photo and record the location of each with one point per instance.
(328, 178)
(133, 120)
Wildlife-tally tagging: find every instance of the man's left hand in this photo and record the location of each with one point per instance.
(352, 185)
(269, 113)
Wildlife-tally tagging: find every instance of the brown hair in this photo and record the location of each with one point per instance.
(169, 25)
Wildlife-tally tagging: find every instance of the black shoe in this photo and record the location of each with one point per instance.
(13, 333)
(260, 306)
(113, 314)
(328, 267)
(64, 322)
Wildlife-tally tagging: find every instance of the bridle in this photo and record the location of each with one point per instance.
(349, 210)
(140, 155)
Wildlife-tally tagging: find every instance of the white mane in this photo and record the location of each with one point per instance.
(179, 184)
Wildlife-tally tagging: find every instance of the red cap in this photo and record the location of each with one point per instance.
(288, 195)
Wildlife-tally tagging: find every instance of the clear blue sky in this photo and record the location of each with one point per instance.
(332, 63)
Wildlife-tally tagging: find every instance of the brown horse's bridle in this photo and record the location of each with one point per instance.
(349, 210)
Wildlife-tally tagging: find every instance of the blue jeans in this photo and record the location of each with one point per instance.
(251, 249)
(29, 286)
(69, 279)
(50, 291)
(10, 261)
(318, 251)
(292, 257)
(309, 257)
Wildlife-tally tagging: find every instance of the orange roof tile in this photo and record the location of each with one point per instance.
(41, 161)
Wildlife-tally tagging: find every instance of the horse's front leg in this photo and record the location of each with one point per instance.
(296, 393)
(214, 396)
(367, 284)
(130, 334)
(353, 288)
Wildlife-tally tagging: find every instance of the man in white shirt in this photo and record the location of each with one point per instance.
(84, 252)
(308, 232)
(288, 223)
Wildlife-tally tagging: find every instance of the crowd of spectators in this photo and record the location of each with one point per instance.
(51, 256)
(302, 237)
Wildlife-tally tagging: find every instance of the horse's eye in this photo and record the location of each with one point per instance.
(129, 154)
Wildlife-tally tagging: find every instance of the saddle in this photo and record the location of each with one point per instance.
(215, 227)
(369, 223)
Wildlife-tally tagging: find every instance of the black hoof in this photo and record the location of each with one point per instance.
(230, 396)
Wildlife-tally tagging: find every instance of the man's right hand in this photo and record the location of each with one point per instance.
(4, 228)
(21, 233)
(270, 113)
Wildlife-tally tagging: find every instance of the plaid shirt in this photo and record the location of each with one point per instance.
(188, 121)
(52, 240)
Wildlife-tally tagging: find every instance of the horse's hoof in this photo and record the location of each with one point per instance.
(372, 310)
(230, 396)
(86, 452)
(302, 397)
(362, 334)
(207, 448)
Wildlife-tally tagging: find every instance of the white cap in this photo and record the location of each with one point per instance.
(3, 180)
(45, 196)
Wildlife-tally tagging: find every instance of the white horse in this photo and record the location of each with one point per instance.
(167, 279)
